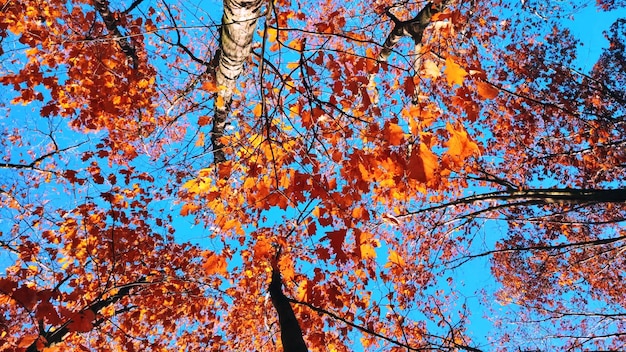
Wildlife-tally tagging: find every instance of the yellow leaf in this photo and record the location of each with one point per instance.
(301, 293)
(31, 51)
(367, 251)
(143, 83)
(293, 65)
(229, 224)
(455, 74)
(271, 34)
(219, 102)
(394, 258)
(296, 44)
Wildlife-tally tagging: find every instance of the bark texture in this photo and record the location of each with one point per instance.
(238, 24)
(290, 332)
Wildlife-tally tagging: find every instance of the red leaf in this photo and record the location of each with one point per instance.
(337, 238)
(26, 296)
(82, 321)
(45, 310)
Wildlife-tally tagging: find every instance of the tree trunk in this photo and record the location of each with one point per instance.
(290, 332)
(238, 25)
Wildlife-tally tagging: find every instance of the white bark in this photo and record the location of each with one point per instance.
(238, 26)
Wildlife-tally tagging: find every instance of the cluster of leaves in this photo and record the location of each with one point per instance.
(377, 179)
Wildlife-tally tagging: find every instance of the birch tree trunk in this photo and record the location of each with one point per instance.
(238, 24)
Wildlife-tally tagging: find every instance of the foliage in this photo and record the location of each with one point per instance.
(380, 180)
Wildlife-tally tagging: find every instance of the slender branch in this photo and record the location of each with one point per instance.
(597, 242)
(132, 6)
(540, 196)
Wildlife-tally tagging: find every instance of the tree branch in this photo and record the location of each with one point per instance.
(102, 6)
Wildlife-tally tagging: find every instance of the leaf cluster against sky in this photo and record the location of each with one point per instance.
(380, 181)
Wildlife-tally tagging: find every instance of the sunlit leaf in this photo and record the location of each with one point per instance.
(455, 74)
(422, 163)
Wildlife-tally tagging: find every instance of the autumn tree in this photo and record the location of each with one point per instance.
(183, 175)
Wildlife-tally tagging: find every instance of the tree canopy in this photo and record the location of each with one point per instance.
(310, 175)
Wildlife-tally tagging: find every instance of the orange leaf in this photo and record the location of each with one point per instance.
(209, 86)
(486, 90)
(460, 146)
(188, 209)
(215, 264)
(200, 140)
(203, 120)
(360, 213)
(27, 341)
(422, 164)
(257, 110)
(455, 74)
(262, 248)
(393, 133)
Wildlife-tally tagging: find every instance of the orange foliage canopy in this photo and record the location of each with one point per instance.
(481, 152)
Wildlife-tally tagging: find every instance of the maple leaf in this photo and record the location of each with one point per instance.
(27, 341)
(214, 264)
(25, 296)
(430, 69)
(422, 163)
(367, 251)
(45, 310)
(262, 248)
(393, 133)
(257, 110)
(203, 120)
(337, 238)
(82, 321)
(395, 259)
(460, 146)
(455, 74)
